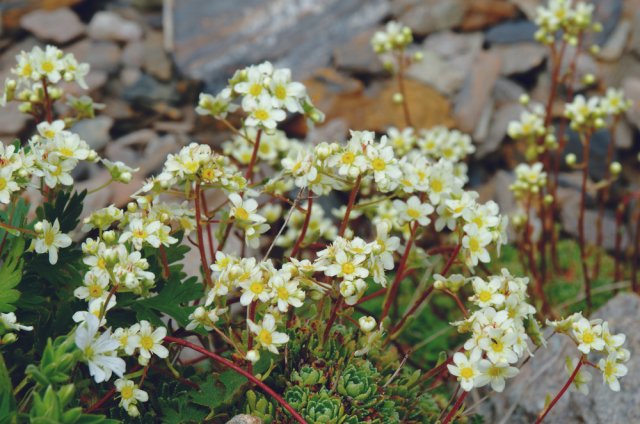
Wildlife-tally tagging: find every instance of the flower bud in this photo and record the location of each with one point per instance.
(109, 236)
(589, 79)
(570, 159)
(397, 98)
(418, 56)
(615, 168)
(38, 227)
(253, 356)
(594, 49)
(524, 99)
(367, 324)
(9, 338)
(548, 199)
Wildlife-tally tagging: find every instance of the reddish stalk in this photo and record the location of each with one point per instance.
(405, 104)
(254, 157)
(555, 400)
(332, 318)
(455, 408)
(352, 200)
(581, 235)
(393, 289)
(603, 197)
(251, 314)
(203, 255)
(101, 402)
(165, 263)
(48, 113)
(209, 222)
(305, 226)
(427, 292)
(373, 295)
(240, 371)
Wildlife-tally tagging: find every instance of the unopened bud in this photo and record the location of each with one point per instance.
(367, 324)
(615, 168)
(253, 356)
(397, 98)
(524, 99)
(548, 199)
(589, 79)
(571, 159)
(418, 56)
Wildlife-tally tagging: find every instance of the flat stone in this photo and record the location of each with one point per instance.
(477, 90)
(112, 27)
(608, 13)
(155, 60)
(585, 64)
(214, 38)
(520, 58)
(12, 121)
(481, 130)
(59, 25)
(133, 54)
(507, 91)
(512, 32)
(147, 91)
(94, 131)
(96, 79)
(100, 55)
(525, 395)
(614, 47)
(484, 13)
(450, 44)
(528, 7)
(426, 17)
(244, 419)
(438, 73)
(498, 128)
(624, 134)
(631, 88)
(12, 11)
(634, 43)
(357, 56)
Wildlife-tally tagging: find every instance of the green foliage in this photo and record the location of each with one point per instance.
(259, 406)
(51, 407)
(10, 276)
(58, 359)
(322, 407)
(218, 390)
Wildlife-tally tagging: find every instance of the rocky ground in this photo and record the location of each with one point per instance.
(150, 59)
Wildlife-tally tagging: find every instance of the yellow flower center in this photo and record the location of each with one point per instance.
(256, 287)
(27, 70)
(65, 151)
(49, 237)
(466, 372)
(56, 172)
(102, 264)
(146, 342)
(588, 337)
(255, 89)
(348, 268)
(608, 369)
(484, 296)
(474, 244)
(280, 92)
(265, 337)
(348, 158)
(413, 213)
(89, 353)
(141, 234)
(3, 183)
(47, 66)
(49, 133)
(95, 290)
(378, 164)
(436, 185)
(191, 167)
(127, 392)
(241, 213)
(494, 372)
(497, 346)
(208, 174)
(261, 114)
(124, 340)
(283, 293)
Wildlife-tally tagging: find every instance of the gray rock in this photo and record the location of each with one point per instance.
(112, 27)
(94, 131)
(528, 7)
(155, 60)
(357, 56)
(101, 55)
(450, 44)
(507, 91)
(426, 17)
(477, 90)
(545, 374)
(585, 64)
(12, 121)
(59, 25)
(146, 91)
(244, 419)
(512, 32)
(213, 38)
(608, 13)
(614, 47)
(631, 87)
(498, 128)
(133, 54)
(521, 57)
(634, 43)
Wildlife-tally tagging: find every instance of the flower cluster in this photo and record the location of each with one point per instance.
(498, 337)
(395, 37)
(571, 18)
(594, 336)
(266, 94)
(530, 179)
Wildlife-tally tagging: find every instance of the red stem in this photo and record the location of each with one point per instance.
(562, 392)
(305, 226)
(47, 101)
(455, 408)
(240, 371)
(203, 255)
(101, 402)
(352, 200)
(254, 157)
(209, 222)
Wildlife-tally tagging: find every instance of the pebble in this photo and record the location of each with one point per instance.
(94, 131)
(631, 88)
(357, 56)
(426, 17)
(59, 25)
(512, 32)
(155, 60)
(112, 27)
(634, 43)
(483, 13)
(521, 57)
(614, 47)
(100, 55)
(12, 121)
(498, 128)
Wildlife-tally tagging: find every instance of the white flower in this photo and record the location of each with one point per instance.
(244, 210)
(149, 341)
(10, 321)
(414, 210)
(124, 338)
(205, 318)
(7, 185)
(266, 334)
(74, 70)
(582, 379)
(494, 374)
(588, 336)
(130, 395)
(474, 242)
(50, 130)
(611, 370)
(286, 93)
(384, 165)
(57, 170)
(487, 293)
(50, 239)
(99, 352)
(94, 286)
(48, 62)
(286, 292)
(263, 114)
(255, 289)
(347, 267)
(140, 232)
(465, 368)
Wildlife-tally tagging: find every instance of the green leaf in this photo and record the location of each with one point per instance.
(7, 401)
(10, 276)
(219, 390)
(172, 299)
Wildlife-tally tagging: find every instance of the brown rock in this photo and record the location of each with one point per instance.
(483, 13)
(112, 27)
(521, 57)
(631, 87)
(12, 121)
(427, 16)
(59, 25)
(101, 55)
(614, 47)
(340, 97)
(477, 90)
(155, 60)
